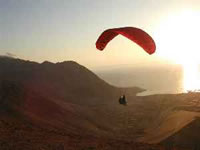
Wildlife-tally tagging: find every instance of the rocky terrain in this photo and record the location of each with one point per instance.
(61, 106)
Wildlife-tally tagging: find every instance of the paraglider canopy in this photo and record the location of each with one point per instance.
(134, 34)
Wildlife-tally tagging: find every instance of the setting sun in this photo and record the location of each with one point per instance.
(191, 77)
(177, 39)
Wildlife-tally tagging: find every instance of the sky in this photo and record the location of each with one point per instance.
(61, 30)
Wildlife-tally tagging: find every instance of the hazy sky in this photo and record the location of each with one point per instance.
(58, 30)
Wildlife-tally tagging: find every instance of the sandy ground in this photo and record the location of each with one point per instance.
(172, 124)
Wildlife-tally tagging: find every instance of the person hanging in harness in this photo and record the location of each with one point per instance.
(122, 100)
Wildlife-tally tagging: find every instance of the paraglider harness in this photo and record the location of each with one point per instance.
(122, 100)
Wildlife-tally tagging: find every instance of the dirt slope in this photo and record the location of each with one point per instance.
(172, 124)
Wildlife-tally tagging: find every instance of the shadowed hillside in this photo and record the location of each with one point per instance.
(63, 99)
(68, 80)
(66, 106)
(177, 122)
(188, 136)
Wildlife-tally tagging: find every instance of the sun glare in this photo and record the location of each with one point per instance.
(191, 77)
(178, 40)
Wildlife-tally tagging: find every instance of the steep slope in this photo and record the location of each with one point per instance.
(187, 137)
(65, 105)
(177, 121)
(171, 124)
(63, 95)
(66, 80)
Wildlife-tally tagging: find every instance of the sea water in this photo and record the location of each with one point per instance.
(155, 79)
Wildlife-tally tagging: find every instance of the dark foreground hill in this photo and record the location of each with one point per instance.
(188, 136)
(61, 94)
(64, 105)
(56, 106)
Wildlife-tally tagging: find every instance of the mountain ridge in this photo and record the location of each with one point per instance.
(52, 105)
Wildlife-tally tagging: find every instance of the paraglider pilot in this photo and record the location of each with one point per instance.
(122, 100)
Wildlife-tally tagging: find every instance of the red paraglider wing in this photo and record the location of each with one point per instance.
(134, 34)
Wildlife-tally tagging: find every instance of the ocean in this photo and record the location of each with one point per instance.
(159, 79)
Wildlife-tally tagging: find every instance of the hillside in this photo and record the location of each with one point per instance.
(68, 80)
(64, 105)
(188, 136)
(64, 97)
(177, 124)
